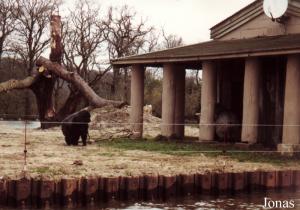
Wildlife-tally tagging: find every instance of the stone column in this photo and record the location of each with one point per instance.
(208, 101)
(180, 102)
(291, 121)
(251, 101)
(137, 100)
(168, 100)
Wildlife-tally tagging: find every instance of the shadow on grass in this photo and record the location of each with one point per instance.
(180, 148)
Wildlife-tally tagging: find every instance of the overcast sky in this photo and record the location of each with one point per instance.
(190, 19)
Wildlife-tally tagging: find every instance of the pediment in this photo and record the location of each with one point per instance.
(251, 22)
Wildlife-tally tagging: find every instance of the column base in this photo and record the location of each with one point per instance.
(167, 138)
(136, 135)
(203, 141)
(248, 145)
(288, 149)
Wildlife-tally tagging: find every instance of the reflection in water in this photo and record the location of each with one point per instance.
(242, 201)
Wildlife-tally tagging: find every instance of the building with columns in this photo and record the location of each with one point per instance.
(251, 67)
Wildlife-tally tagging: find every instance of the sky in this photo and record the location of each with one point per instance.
(189, 19)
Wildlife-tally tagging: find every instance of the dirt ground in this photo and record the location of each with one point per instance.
(49, 156)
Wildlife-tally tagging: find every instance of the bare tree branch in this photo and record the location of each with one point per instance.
(78, 82)
(33, 18)
(17, 84)
(7, 23)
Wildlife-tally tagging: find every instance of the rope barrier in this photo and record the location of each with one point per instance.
(26, 122)
(162, 124)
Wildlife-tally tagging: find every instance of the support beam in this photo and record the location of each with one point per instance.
(291, 122)
(137, 100)
(168, 100)
(208, 101)
(180, 102)
(251, 101)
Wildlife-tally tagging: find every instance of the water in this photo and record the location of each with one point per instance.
(20, 124)
(242, 201)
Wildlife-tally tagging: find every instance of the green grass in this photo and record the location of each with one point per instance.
(42, 170)
(48, 170)
(196, 149)
(106, 154)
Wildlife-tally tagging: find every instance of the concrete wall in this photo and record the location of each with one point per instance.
(264, 26)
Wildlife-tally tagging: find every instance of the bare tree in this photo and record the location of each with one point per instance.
(7, 22)
(83, 38)
(33, 19)
(30, 41)
(40, 79)
(170, 40)
(125, 36)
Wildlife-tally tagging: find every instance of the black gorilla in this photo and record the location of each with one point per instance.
(76, 126)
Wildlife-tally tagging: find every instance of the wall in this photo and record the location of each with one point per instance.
(264, 26)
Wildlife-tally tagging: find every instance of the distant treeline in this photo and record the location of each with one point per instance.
(13, 104)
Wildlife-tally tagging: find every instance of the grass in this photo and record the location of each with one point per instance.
(195, 149)
(48, 170)
(42, 170)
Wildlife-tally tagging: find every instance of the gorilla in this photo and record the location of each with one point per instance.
(76, 126)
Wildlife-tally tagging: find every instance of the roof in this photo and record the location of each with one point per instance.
(245, 15)
(216, 49)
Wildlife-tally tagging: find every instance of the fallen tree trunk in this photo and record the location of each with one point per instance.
(17, 84)
(79, 83)
(42, 80)
(31, 82)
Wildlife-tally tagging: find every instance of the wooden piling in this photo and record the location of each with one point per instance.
(187, 184)
(101, 190)
(239, 181)
(88, 190)
(223, 182)
(151, 185)
(11, 192)
(169, 186)
(208, 183)
(23, 191)
(123, 188)
(142, 188)
(198, 183)
(69, 191)
(35, 184)
(296, 179)
(269, 180)
(132, 185)
(46, 193)
(254, 180)
(3, 191)
(160, 190)
(285, 179)
(58, 192)
(111, 188)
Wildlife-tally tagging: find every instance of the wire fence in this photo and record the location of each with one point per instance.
(24, 132)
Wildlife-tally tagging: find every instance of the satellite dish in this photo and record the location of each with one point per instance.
(275, 8)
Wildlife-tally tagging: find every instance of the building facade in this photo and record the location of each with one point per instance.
(250, 67)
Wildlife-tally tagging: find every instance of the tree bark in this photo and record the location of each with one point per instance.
(43, 89)
(42, 81)
(70, 106)
(79, 83)
(17, 84)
